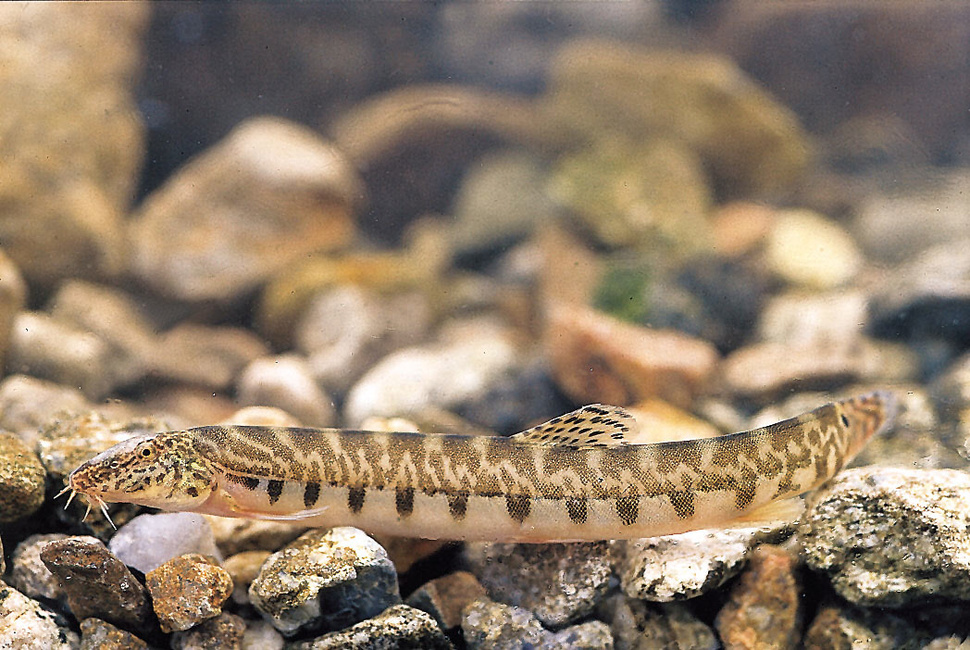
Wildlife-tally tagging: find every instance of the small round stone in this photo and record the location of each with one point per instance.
(21, 479)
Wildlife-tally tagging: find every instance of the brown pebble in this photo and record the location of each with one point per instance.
(224, 632)
(243, 569)
(21, 479)
(97, 583)
(763, 609)
(445, 597)
(188, 590)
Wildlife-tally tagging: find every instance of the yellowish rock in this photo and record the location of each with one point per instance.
(659, 421)
(810, 250)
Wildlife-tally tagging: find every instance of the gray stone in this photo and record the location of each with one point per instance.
(29, 575)
(261, 635)
(27, 403)
(325, 580)
(677, 567)
(48, 349)
(26, 625)
(468, 358)
(892, 537)
(637, 625)
(22, 479)
(267, 195)
(97, 583)
(806, 318)
(286, 382)
(445, 597)
(592, 635)
(488, 625)
(845, 626)
(399, 627)
(345, 329)
(148, 541)
(559, 583)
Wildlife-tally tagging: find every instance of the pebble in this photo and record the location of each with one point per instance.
(43, 347)
(927, 297)
(750, 143)
(267, 195)
(501, 199)
(558, 583)
(223, 631)
(235, 535)
(596, 358)
(678, 567)
(115, 318)
(399, 627)
(13, 299)
(444, 598)
(892, 537)
(101, 635)
(243, 569)
(97, 583)
(639, 625)
(845, 626)
(148, 541)
(209, 357)
(22, 479)
(187, 590)
(487, 625)
(325, 580)
(812, 251)
(29, 574)
(467, 358)
(658, 421)
(261, 635)
(27, 403)
(75, 137)
(25, 624)
(286, 382)
(652, 193)
(800, 318)
(764, 608)
(345, 329)
(765, 371)
(740, 227)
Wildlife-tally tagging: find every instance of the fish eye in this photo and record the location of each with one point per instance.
(146, 452)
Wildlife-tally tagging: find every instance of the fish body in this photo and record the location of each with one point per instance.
(573, 478)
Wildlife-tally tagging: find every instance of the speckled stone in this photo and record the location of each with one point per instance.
(558, 583)
(286, 382)
(839, 626)
(97, 583)
(101, 635)
(187, 590)
(29, 574)
(892, 537)
(488, 625)
(399, 627)
(148, 541)
(28, 403)
(763, 609)
(638, 625)
(22, 479)
(225, 631)
(326, 580)
(26, 625)
(677, 567)
(444, 598)
(592, 635)
(268, 194)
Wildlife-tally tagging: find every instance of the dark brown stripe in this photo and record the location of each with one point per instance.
(355, 499)
(248, 482)
(311, 494)
(577, 510)
(274, 489)
(518, 507)
(404, 501)
(458, 504)
(627, 508)
(683, 502)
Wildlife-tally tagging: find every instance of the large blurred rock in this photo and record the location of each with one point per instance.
(270, 193)
(72, 140)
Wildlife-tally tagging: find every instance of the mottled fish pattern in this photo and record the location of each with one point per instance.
(575, 477)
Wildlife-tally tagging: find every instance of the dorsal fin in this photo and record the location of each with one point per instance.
(595, 425)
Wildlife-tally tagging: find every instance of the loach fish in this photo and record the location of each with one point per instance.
(575, 477)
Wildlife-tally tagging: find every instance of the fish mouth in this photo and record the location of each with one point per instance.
(89, 499)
